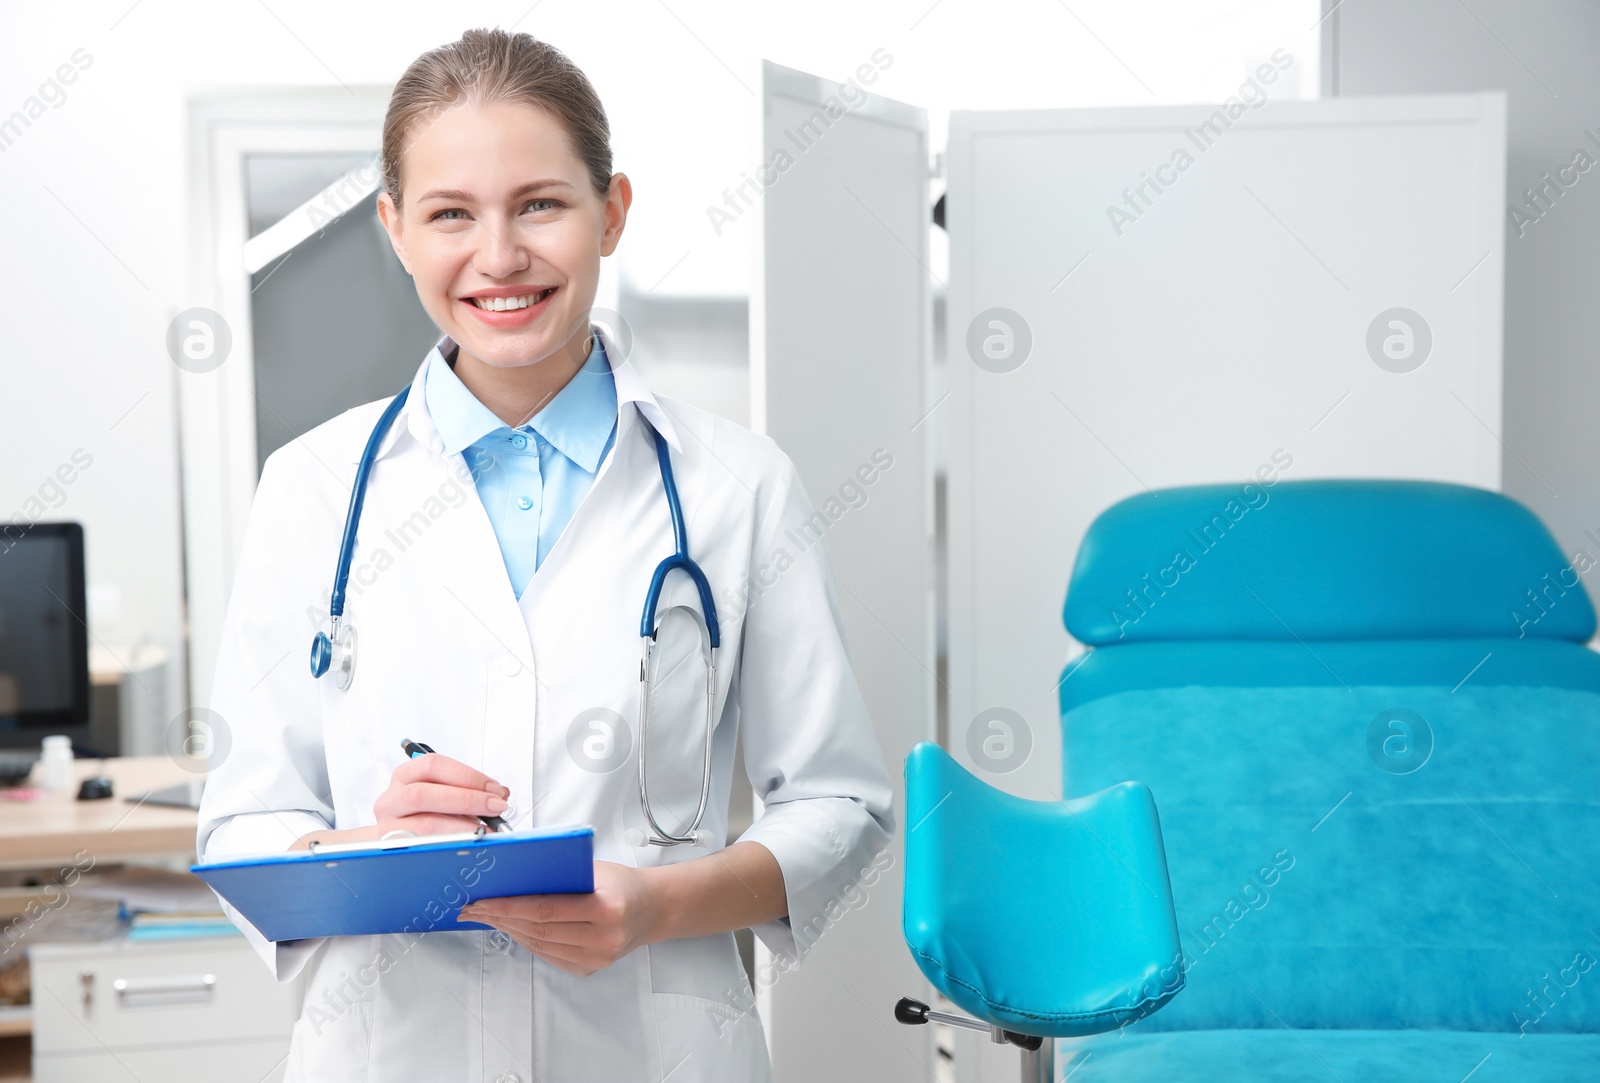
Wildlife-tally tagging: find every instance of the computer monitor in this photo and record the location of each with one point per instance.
(44, 635)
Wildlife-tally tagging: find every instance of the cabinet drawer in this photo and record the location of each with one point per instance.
(123, 994)
(242, 1062)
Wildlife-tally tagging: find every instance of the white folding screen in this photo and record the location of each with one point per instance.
(1147, 297)
(840, 332)
(1140, 298)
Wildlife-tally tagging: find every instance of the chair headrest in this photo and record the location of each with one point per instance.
(1334, 559)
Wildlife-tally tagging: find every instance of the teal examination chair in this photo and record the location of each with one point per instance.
(1043, 919)
(1371, 716)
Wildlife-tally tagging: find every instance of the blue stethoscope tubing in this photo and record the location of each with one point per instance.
(323, 652)
(335, 649)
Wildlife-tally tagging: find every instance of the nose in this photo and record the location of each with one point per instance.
(501, 253)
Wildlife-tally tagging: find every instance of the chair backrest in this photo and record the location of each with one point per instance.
(1043, 917)
(1318, 560)
(1366, 712)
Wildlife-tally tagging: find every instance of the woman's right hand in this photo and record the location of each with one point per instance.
(427, 795)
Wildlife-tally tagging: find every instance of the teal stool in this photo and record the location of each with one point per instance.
(1044, 919)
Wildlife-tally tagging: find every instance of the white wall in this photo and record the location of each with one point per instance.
(1219, 327)
(1543, 56)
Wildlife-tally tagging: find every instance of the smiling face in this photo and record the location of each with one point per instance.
(502, 232)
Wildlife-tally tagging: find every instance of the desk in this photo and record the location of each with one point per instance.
(244, 1014)
(56, 827)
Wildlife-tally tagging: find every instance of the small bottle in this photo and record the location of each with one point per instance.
(55, 763)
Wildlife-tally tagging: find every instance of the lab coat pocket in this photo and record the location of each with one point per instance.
(330, 1042)
(711, 1040)
(704, 1007)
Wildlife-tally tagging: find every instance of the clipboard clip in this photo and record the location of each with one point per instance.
(398, 839)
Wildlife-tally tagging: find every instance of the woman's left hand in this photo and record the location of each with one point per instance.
(580, 933)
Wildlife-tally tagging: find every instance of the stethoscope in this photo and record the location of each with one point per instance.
(335, 650)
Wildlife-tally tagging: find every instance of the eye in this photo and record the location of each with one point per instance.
(548, 202)
(437, 215)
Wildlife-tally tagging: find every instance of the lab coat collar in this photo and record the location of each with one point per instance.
(631, 389)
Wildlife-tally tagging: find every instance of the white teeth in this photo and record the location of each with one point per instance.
(507, 304)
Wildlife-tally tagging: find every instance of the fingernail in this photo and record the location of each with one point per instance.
(496, 804)
(503, 791)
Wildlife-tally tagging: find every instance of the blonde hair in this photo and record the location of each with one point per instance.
(493, 66)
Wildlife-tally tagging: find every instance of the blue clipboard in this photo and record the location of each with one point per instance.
(413, 884)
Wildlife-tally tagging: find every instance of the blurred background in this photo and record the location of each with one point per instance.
(1419, 170)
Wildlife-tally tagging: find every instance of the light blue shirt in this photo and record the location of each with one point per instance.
(530, 479)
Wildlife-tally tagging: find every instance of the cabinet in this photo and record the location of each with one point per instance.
(204, 1009)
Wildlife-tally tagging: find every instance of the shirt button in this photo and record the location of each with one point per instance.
(524, 503)
(509, 813)
(500, 941)
(508, 1077)
(509, 665)
(518, 441)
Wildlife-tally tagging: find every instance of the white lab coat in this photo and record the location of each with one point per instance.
(449, 656)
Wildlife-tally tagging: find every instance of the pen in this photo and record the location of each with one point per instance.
(417, 748)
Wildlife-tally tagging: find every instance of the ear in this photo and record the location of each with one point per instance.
(389, 216)
(618, 200)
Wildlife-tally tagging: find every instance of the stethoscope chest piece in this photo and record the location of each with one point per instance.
(336, 654)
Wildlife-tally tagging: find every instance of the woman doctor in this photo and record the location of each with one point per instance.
(514, 514)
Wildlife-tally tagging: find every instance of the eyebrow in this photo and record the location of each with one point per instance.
(460, 196)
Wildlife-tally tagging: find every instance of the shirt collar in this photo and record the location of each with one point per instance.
(578, 421)
(629, 387)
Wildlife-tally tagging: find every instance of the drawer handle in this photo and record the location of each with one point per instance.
(160, 992)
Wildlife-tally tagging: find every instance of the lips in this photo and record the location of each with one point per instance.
(513, 307)
(512, 303)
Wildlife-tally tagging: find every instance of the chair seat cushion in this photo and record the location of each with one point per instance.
(1369, 856)
(1351, 1056)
